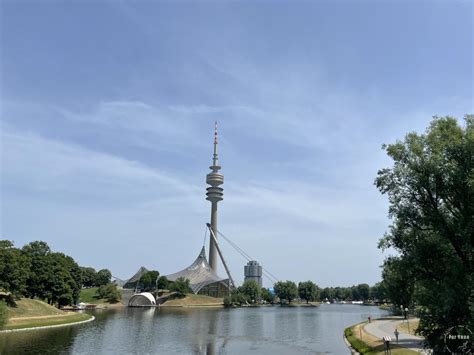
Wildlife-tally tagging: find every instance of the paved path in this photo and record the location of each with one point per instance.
(383, 327)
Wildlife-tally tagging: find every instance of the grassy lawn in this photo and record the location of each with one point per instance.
(30, 308)
(365, 343)
(414, 323)
(87, 295)
(34, 313)
(195, 300)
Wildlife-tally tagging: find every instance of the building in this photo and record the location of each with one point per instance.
(253, 271)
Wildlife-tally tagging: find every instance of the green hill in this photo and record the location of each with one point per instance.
(34, 313)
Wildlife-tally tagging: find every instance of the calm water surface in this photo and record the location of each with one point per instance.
(264, 330)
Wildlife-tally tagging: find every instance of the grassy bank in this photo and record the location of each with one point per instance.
(34, 313)
(365, 343)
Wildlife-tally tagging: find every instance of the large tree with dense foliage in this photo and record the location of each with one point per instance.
(286, 290)
(308, 291)
(430, 188)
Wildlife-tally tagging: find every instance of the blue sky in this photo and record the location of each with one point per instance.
(108, 108)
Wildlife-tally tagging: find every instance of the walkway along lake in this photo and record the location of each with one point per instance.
(263, 330)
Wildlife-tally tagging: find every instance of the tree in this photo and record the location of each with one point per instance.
(267, 296)
(308, 291)
(251, 289)
(64, 286)
(103, 277)
(109, 292)
(363, 290)
(327, 293)
(89, 276)
(182, 286)
(398, 281)
(286, 290)
(377, 292)
(14, 269)
(37, 248)
(38, 280)
(149, 280)
(238, 297)
(163, 283)
(430, 189)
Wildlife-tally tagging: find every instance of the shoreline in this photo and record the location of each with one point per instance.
(48, 326)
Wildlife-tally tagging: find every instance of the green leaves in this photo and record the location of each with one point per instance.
(308, 291)
(286, 290)
(431, 194)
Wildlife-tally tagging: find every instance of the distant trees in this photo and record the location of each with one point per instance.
(308, 291)
(430, 189)
(286, 290)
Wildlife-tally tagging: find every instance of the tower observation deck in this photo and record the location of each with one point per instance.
(214, 195)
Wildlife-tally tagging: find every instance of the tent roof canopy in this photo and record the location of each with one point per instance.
(199, 273)
(135, 278)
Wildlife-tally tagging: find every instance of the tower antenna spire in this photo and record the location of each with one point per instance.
(215, 159)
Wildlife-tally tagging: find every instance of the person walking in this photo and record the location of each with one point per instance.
(396, 334)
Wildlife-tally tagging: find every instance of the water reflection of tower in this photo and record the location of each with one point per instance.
(214, 195)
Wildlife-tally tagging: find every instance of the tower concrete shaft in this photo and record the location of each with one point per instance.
(214, 195)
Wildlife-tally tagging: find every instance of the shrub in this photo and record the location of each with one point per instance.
(227, 301)
(109, 292)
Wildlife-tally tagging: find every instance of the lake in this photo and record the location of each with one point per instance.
(262, 330)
